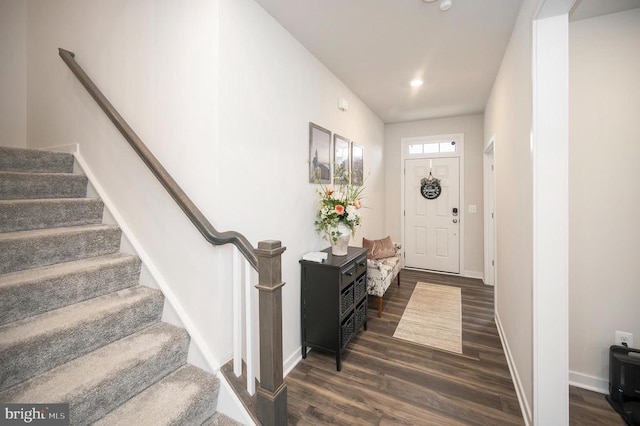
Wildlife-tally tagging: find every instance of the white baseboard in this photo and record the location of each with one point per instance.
(584, 381)
(293, 360)
(473, 274)
(524, 406)
(466, 274)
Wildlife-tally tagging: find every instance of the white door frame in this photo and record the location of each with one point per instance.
(459, 153)
(488, 161)
(550, 155)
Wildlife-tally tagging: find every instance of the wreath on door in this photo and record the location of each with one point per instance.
(430, 187)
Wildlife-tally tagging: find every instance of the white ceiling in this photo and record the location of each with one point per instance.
(585, 9)
(377, 46)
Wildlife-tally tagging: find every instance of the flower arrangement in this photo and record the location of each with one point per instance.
(339, 206)
(431, 180)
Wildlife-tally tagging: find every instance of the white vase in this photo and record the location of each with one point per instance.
(339, 247)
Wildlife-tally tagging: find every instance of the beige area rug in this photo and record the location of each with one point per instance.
(433, 317)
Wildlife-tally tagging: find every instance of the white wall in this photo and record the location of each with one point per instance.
(270, 89)
(13, 73)
(222, 95)
(604, 192)
(157, 63)
(508, 118)
(472, 128)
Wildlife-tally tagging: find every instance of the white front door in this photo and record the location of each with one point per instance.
(432, 227)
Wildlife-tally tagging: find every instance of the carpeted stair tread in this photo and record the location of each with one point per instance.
(186, 397)
(33, 345)
(75, 326)
(18, 185)
(21, 215)
(219, 419)
(100, 381)
(31, 160)
(34, 291)
(29, 249)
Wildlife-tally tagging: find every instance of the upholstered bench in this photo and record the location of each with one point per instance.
(381, 271)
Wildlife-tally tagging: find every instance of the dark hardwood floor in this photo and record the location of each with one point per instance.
(587, 408)
(391, 381)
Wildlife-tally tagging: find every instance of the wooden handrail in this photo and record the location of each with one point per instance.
(188, 207)
(266, 259)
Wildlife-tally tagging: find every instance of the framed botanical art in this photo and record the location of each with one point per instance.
(357, 164)
(319, 154)
(341, 154)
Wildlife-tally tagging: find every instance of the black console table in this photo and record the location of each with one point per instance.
(333, 303)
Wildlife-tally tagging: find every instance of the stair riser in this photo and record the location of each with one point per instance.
(44, 352)
(17, 254)
(16, 186)
(40, 214)
(25, 160)
(34, 297)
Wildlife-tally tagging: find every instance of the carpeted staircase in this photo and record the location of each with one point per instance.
(75, 325)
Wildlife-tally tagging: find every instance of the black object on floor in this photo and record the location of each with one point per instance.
(624, 383)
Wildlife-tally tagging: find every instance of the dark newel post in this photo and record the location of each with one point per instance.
(272, 391)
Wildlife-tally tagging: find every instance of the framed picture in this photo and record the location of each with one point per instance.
(357, 164)
(341, 154)
(319, 154)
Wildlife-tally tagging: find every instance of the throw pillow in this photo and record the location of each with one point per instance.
(379, 249)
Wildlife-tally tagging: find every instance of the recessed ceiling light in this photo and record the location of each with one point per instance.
(445, 5)
(429, 1)
(416, 82)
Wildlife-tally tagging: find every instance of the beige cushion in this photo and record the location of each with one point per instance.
(379, 249)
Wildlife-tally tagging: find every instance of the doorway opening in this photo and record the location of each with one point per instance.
(489, 276)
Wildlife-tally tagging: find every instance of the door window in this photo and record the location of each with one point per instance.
(431, 147)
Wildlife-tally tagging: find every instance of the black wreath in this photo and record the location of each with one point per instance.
(430, 187)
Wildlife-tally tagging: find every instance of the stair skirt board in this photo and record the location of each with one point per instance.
(175, 313)
(75, 325)
(199, 354)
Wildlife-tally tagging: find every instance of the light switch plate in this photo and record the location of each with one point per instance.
(473, 208)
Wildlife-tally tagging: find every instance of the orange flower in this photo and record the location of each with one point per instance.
(357, 204)
(339, 209)
(328, 191)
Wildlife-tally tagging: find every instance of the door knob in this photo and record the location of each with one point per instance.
(455, 220)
